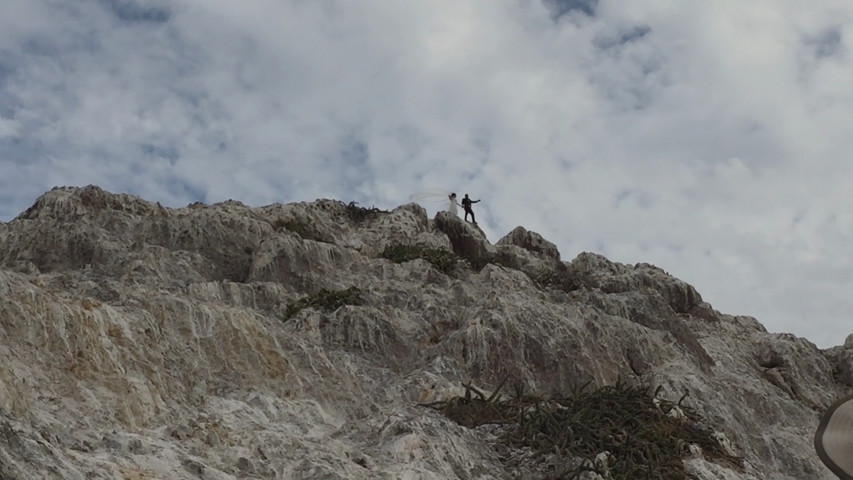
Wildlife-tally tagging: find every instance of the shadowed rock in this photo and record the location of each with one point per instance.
(468, 240)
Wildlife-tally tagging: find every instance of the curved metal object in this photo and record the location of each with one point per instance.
(834, 438)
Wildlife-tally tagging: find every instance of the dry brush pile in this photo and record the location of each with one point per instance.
(645, 437)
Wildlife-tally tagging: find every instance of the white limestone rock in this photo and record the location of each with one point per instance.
(138, 341)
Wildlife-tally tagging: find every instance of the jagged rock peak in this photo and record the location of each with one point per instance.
(531, 241)
(66, 203)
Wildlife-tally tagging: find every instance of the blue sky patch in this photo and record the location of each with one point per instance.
(625, 37)
(168, 152)
(826, 44)
(564, 7)
(131, 12)
(181, 189)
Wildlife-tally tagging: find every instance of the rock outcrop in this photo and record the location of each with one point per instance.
(532, 241)
(227, 341)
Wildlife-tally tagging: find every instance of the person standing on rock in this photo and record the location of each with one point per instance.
(453, 203)
(466, 204)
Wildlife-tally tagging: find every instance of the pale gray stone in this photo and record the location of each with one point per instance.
(213, 439)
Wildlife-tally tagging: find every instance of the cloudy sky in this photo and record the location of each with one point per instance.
(709, 138)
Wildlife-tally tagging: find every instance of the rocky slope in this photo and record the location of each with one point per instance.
(225, 341)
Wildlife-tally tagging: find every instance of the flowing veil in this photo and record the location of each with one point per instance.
(433, 196)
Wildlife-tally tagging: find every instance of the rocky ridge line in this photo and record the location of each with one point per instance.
(140, 341)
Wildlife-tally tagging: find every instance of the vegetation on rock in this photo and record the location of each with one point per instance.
(303, 228)
(479, 262)
(560, 279)
(443, 260)
(326, 300)
(646, 436)
(359, 214)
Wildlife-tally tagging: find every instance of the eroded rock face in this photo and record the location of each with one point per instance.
(138, 341)
(841, 358)
(530, 241)
(467, 240)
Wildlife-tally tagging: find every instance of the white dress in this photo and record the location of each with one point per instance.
(452, 208)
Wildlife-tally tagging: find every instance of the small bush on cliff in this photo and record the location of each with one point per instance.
(359, 214)
(443, 260)
(303, 228)
(559, 280)
(325, 300)
(646, 436)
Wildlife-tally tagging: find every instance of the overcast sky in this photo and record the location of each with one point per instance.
(712, 139)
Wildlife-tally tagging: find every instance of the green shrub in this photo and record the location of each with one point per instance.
(326, 300)
(443, 260)
(644, 439)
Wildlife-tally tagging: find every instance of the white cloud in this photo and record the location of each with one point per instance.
(710, 139)
(8, 129)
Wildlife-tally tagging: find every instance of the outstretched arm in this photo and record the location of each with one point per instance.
(474, 201)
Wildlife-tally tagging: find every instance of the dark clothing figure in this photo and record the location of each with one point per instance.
(466, 205)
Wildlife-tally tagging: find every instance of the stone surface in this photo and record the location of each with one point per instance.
(530, 241)
(138, 341)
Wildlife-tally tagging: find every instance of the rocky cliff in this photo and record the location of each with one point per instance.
(328, 341)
